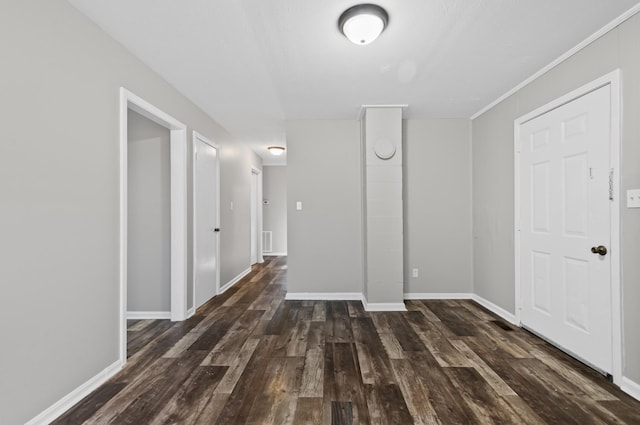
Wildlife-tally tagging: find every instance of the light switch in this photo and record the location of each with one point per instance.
(633, 198)
(299, 205)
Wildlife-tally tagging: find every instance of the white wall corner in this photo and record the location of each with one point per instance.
(630, 387)
(509, 317)
(234, 281)
(61, 406)
(323, 296)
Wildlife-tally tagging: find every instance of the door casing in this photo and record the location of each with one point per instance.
(613, 80)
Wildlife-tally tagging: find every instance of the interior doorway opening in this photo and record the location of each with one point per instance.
(148, 219)
(178, 206)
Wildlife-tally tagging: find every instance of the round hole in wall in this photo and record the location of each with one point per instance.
(384, 149)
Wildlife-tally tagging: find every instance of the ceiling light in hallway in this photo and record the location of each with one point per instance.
(363, 23)
(276, 150)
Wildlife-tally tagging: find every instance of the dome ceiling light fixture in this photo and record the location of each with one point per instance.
(276, 150)
(363, 23)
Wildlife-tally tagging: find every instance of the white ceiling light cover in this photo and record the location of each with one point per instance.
(363, 23)
(276, 150)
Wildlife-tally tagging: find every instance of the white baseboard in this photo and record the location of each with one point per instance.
(274, 254)
(437, 296)
(68, 401)
(146, 315)
(630, 387)
(383, 306)
(345, 296)
(324, 296)
(233, 281)
(509, 317)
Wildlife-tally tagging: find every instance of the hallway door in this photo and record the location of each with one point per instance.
(256, 217)
(206, 227)
(565, 227)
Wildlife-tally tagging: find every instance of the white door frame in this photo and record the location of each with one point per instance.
(613, 80)
(197, 136)
(178, 171)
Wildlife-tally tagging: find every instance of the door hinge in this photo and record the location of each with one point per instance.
(611, 184)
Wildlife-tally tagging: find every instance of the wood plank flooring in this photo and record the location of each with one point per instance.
(249, 357)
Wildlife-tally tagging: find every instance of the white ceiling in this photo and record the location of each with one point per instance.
(253, 64)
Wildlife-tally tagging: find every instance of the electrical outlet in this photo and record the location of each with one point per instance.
(633, 198)
(415, 272)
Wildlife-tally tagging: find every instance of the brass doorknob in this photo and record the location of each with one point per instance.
(602, 250)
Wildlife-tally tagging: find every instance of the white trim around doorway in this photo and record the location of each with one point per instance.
(178, 183)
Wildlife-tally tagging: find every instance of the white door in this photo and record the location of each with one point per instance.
(254, 217)
(206, 232)
(564, 213)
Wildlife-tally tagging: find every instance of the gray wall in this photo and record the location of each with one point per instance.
(236, 162)
(149, 219)
(274, 189)
(59, 185)
(325, 238)
(493, 182)
(437, 205)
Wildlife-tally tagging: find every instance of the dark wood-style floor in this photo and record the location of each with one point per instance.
(249, 357)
